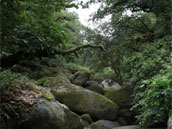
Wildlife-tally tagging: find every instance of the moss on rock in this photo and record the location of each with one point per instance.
(80, 78)
(50, 115)
(55, 82)
(81, 100)
(74, 121)
(94, 86)
(122, 97)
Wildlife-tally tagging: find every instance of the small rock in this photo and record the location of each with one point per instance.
(80, 78)
(86, 120)
(87, 117)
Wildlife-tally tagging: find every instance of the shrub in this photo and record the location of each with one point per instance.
(106, 73)
(6, 78)
(153, 100)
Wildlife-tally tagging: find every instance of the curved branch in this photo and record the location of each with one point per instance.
(74, 50)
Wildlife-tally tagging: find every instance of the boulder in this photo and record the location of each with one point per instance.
(170, 123)
(121, 97)
(103, 124)
(74, 121)
(105, 83)
(114, 87)
(80, 78)
(94, 86)
(34, 107)
(81, 100)
(50, 115)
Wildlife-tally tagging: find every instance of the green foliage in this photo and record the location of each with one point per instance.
(161, 9)
(138, 51)
(37, 28)
(7, 77)
(153, 100)
(138, 47)
(105, 73)
(148, 62)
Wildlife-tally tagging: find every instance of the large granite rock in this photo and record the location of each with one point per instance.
(50, 115)
(81, 100)
(34, 107)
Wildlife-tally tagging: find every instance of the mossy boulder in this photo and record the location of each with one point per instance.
(56, 82)
(19, 94)
(50, 115)
(29, 106)
(80, 78)
(122, 97)
(81, 100)
(73, 120)
(103, 124)
(94, 86)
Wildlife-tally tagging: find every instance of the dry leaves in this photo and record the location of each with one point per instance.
(29, 97)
